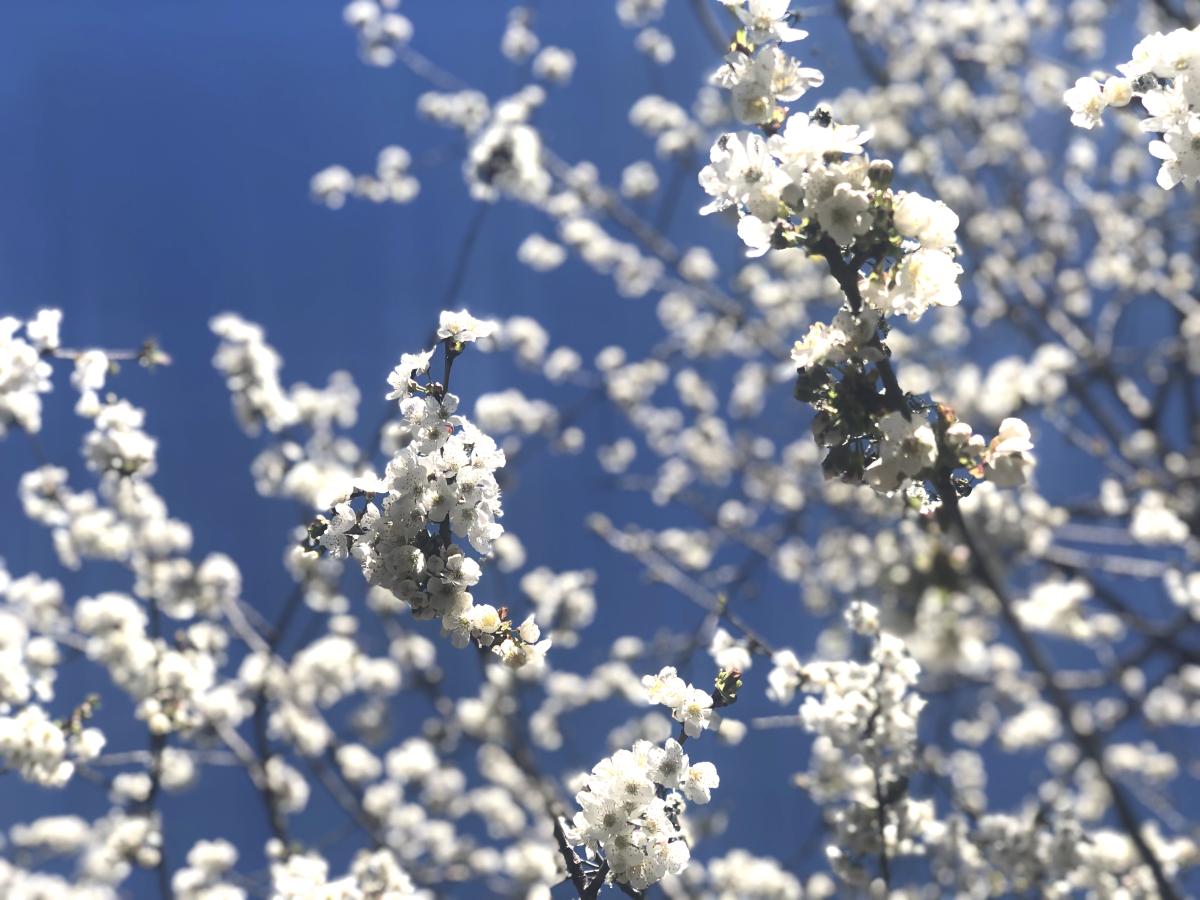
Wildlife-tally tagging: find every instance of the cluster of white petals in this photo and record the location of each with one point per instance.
(865, 716)
(689, 705)
(630, 810)
(24, 374)
(299, 876)
(1164, 75)
(382, 31)
(42, 750)
(392, 181)
(439, 483)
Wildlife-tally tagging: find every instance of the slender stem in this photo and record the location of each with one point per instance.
(702, 10)
(846, 274)
(885, 866)
(674, 190)
(158, 743)
(462, 258)
(574, 869)
(597, 882)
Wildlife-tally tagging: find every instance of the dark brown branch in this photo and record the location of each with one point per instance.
(574, 868)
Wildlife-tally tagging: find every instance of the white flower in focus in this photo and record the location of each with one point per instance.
(629, 812)
(699, 782)
(906, 448)
(756, 235)
(529, 631)
(668, 764)
(758, 83)
(847, 336)
(766, 21)
(817, 346)
(844, 214)
(1007, 460)
(462, 327)
(1180, 153)
(666, 688)
(1167, 108)
(485, 618)
(1170, 55)
(930, 222)
(1086, 101)
(695, 712)
(1117, 91)
(335, 538)
(924, 278)
(805, 142)
(742, 173)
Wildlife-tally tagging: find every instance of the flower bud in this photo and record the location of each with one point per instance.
(880, 173)
(1117, 91)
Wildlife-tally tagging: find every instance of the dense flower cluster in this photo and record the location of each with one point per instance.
(43, 750)
(1164, 74)
(632, 803)
(865, 716)
(808, 184)
(24, 373)
(440, 482)
(810, 180)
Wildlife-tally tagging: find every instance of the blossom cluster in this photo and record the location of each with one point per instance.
(805, 182)
(313, 471)
(25, 373)
(392, 181)
(808, 181)
(440, 483)
(45, 751)
(1164, 74)
(632, 802)
(630, 808)
(689, 705)
(865, 717)
(908, 448)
